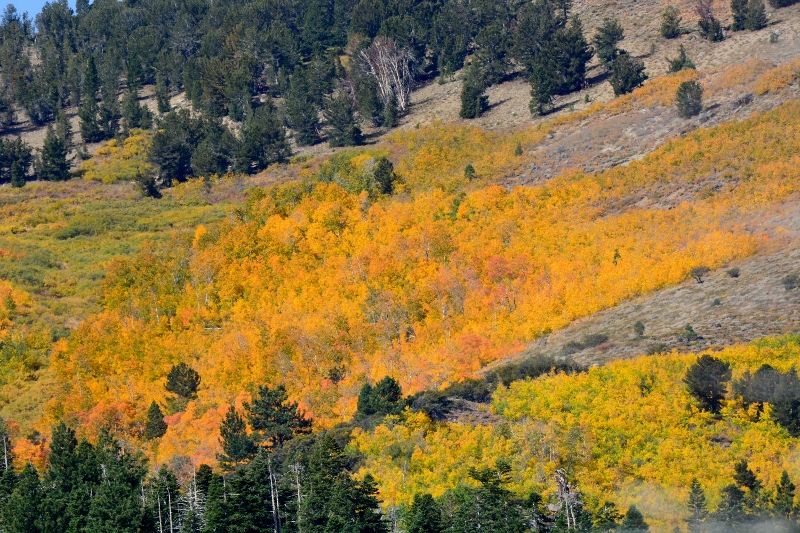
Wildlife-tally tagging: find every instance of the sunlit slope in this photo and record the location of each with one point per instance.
(628, 432)
(320, 289)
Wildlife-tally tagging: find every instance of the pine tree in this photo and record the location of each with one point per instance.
(627, 74)
(543, 88)
(136, 75)
(162, 95)
(382, 399)
(786, 403)
(744, 477)
(425, 516)
(88, 112)
(183, 380)
(756, 15)
(473, 98)
(731, 510)
(384, 175)
(607, 518)
(681, 62)
(21, 514)
(64, 128)
(608, 36)
(154, 427)
(706, 380)
(342, 127)
(697, 507)
(263, 141)
(301, 111)
(274, 419)
(670, 22)
(689, 99)
(491, 55)
(237, 445)
(567, 56)
(390, 113)
(739, 12)
(369, 101)
(633, 521)
(784, 497)
(108, 117)
(53, 164)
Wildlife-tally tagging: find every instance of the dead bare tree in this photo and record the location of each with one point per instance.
(391, 66)
(569, 499)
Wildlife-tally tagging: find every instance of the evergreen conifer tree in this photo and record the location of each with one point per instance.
(697, 507)
(731, 511)
(183, 380)
(263, 141)
(670, 22)
(108, 117)
(274, 419)
(608, 36)
(706, 380)
(784, 497)
(390, 113)
(342, 128)
(681, 62)
(633, 521)
(756, 15)
(491, 55)
(384, 175)
(786, 403)
(739, 13)
(425, 516)
(52, 162)
(154, 427)
(607, 518)
(567, 56)
(382, 399)
(369, 101)
(473, 98)
(237, 445)
(301, 111)
(22, 512)
(627, 74)
(689, 99)
(543, 89)
(162, 95)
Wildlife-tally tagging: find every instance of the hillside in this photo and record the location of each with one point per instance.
(228, 296)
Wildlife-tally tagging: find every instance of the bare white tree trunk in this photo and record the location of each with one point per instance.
(391, 68)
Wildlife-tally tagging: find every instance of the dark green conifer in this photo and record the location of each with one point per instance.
(183, 380)
(274, 419)
(301, 111)
(786, 403)
(784, 498)
(384, 176)
(162, 94)
(681, 62)
(756, 15)
(698, 510)
(633, 521)
(627, 74)
(52, 162)
(237, 445)
(425, 516)
(608, 36)
(22, 512)
(473, 98)
(543, 89)
(689, 99)
(342, 127)
(670, 22)
(263, 141)
(154, 427)
(739, 12)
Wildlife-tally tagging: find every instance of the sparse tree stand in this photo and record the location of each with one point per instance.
(52, 164)
(627, 74)
(671, 22)
(689, 102)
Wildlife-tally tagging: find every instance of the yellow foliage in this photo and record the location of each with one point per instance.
(778, 78)
(629, 431)
(112, 163)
